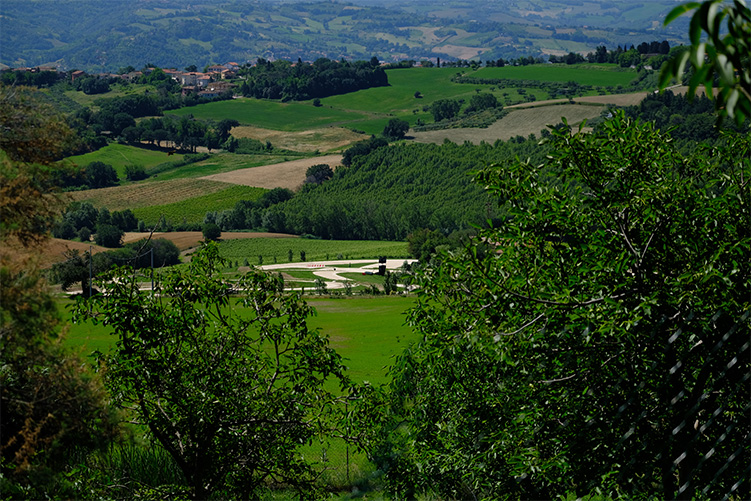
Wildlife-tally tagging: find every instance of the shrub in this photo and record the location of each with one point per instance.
(211, 232)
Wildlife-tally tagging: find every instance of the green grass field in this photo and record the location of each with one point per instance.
(315, 250)
(367, 331)
(218, 163)
(272, 114)
(119, 155)
(590, 74)
(399, 97)
(193, 210)
(369, 110)
(116, 91)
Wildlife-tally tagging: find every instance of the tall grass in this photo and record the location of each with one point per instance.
(127, 471)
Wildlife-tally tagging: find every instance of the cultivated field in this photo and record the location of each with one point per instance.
(282, 175)
(308, 141)
(193, 210)
(276, 250)
(179, 200)
(142, 194)
(521, 122)
(219, 162)
(48, 253)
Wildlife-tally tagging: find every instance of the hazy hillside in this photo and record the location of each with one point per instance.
(95, 35)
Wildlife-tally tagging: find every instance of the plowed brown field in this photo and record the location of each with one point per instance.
(282, 175)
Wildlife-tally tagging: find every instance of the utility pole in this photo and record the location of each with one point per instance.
(91, 269)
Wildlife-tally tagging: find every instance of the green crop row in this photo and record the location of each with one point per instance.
(315, 250)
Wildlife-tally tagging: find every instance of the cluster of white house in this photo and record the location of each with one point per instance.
(210, 83)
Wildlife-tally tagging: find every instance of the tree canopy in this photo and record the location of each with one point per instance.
(229, 387)
(603, 345)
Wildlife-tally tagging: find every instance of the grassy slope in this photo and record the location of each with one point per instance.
(271, 114)
(119, 155)
(366, 110)
(369, 110)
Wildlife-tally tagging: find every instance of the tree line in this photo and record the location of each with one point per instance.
(301, 81)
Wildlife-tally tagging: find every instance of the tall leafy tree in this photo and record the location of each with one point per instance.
(396, 129)
(230, 388)
(49, 403)
(603, 345)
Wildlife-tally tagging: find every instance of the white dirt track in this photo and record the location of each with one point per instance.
(329, 270)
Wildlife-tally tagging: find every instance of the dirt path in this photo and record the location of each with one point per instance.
(329, 270)
(282, 175)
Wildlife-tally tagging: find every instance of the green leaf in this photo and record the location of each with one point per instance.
(694, 29)
(679, 11)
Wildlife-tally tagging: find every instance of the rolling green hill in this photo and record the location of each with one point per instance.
(94, 35)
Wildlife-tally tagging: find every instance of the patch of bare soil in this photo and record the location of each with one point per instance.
(282, 175)
(48, 253)
(324, 139)
(461, 51)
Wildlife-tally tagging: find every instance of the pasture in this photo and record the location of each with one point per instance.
(602, 75)
(293, 116)
(116, 90)
(119, 155)
(367, 331)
